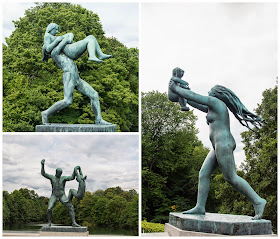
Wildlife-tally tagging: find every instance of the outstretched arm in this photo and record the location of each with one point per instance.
(43, 170)
(179, 80)
(69, 178)
(200, 107)
(189, 95)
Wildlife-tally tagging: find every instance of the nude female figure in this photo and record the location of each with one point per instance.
(82, 185)
(216, 106)
(63, 52)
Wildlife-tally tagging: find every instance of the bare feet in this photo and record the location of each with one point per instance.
(195, 210)
(95, 59)
(104, 56)
(259, 208)
(102, 122)
(75, 224)
(49, 224)
(44, 117)
(185, 108)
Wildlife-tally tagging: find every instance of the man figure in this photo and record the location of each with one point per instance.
(58, 194)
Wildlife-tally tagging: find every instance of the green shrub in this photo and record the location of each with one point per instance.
(151, 227)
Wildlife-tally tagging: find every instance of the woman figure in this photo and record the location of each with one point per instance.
(216, 106)
(82, 185)
(72, 50)
(64, 52)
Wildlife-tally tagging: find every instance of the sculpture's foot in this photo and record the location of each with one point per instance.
(75, 224)
(259, 208)
(195, 210)
(185, 108)
(102, 122)
(49, 225)
(95, 59)
(44, 117)
(104, 56)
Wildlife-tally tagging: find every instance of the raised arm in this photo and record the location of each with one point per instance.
(190, 95)
(69, 178)
(200, 107)
(43, 170)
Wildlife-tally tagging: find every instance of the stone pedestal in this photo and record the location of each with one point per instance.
(215, 223)
(58, 231)
(76, 128)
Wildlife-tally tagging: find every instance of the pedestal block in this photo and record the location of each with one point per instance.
(76, 128)
(58, 231)
(225, 224)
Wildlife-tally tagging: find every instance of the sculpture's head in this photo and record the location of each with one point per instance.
(58, 172)
(178, 72)
(52, 28)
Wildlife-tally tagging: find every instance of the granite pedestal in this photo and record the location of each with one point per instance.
(224, 224)
(64, 231)
(76, 128)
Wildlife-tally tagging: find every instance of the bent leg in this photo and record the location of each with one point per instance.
(71, 194)
(51, 205)
(183, 104)
(69, 86)
(226, 161)
(75, 50)
(87, 90)
(209, 165)
(64, 200)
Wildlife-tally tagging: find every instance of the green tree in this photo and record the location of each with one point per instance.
(260, 166)
(31, 86)
(171, 158)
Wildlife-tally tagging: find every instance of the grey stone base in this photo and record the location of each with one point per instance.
(64, 231)
(76, 128)
(225, 224)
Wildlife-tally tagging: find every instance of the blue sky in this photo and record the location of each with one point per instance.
(120, 20)
(107, 160)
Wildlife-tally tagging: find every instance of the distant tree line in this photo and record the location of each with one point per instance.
(112, 207)
(172, 156)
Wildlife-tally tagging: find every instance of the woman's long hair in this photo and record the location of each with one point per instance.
(240, 112)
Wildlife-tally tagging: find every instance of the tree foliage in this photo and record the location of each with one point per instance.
(113, 207)
(171, 158)
(260, 166)
(31, 86)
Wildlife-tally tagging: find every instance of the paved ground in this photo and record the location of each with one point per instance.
(157, 234)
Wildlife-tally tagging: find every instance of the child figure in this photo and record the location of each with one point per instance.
(82, 185)
(177, 74)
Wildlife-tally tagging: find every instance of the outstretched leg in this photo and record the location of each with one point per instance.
(51, 205)
(87, 90)
(225, 159)
(208, 167)
(76, 49)
(69, 86)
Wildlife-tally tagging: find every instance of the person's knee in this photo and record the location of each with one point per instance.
(203, 174)
(94, 95)
(49, 210)
(90, 37)
(231, 178)
(68, 101)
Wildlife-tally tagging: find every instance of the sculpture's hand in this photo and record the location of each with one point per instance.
(43, 162)
(173, 86)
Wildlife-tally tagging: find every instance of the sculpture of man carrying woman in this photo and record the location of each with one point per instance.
(63, 52)
(216, 106)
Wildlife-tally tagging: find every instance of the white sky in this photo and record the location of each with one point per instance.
(107, 160)
(231, 44)
(120, 20)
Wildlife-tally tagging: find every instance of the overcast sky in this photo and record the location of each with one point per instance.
(107, 160)
(231, 44)
(120, 20)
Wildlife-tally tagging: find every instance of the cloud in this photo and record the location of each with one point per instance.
(107, 160)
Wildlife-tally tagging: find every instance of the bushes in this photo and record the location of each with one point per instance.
(148, 227)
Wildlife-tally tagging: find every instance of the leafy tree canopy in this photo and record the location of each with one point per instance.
(31, 86)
